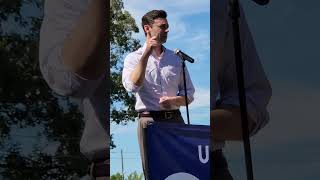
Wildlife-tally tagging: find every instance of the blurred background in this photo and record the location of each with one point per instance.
(287, 36)
(40, 130)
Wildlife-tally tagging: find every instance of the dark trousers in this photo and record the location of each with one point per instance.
(220, 169)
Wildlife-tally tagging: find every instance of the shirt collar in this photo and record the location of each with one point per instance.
(153, 54)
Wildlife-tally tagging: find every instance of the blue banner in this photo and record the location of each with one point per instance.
(178, 151)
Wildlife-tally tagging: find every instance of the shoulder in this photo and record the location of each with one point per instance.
(136, 53)
(134, 56)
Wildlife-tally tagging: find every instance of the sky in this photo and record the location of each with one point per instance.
(189, 31)
(286, 34)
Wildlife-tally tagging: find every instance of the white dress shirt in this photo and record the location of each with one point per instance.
(163, 77)
(59, 18)
(225, 89)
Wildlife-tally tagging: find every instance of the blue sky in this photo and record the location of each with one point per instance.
(287, 38)
(189, 31)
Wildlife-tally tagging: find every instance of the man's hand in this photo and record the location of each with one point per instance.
(226, 124)
(152, 41)
(138, 74)
(167, 102)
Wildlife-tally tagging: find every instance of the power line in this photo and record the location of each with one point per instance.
(125, 158)
(117, 152)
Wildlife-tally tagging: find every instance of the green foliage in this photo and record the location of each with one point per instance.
(27, 102)
(135, 176)
(121, 42)
(132, 176)
(117, 176)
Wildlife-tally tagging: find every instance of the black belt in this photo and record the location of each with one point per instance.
(161, 114)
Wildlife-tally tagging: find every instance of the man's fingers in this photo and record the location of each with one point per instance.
(165, 101)
(152, 41)
(164, 97)
(154, 38)
(149, 34)
(162, 100)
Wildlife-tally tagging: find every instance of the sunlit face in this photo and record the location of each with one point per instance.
(160, 28)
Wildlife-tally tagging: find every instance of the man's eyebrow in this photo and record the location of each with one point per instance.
(164, 25)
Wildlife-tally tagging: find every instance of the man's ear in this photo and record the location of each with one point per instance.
(146, 28)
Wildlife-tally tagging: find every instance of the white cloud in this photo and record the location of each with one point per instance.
(201, 98)
(200, 50)
(199, 109)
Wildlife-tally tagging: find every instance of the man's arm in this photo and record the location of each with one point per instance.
(226, 118)
(84, 49)
(226, 124)
(180, 99)
(167, 101)
(72, 48)
(138, 74)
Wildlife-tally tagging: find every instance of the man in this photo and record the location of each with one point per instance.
(225, 110)
(154, 74)
(73, 63)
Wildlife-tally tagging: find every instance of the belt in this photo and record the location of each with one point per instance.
(161, 114)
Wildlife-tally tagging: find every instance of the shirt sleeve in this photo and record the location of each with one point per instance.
(190, 87)
(130, 63)
(257, 86)
(59, 19)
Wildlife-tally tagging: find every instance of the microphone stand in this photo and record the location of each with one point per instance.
(185, 87)
(235, 14)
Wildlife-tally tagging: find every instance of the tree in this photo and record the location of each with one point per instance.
(135, 176)
(122, 27)
(116, 176)
(132, 176)
(26, 102)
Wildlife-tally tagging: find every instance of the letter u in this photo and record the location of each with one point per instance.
(206, 159)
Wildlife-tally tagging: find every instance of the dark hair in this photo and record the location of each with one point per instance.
(149, 17)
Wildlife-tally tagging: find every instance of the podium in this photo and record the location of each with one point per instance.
(177, 151)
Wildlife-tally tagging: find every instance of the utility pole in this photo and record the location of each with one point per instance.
(122, 165)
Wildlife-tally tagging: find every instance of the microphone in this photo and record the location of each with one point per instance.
(183, 56)
(261, 2)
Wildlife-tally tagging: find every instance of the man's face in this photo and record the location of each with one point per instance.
(160, 28)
